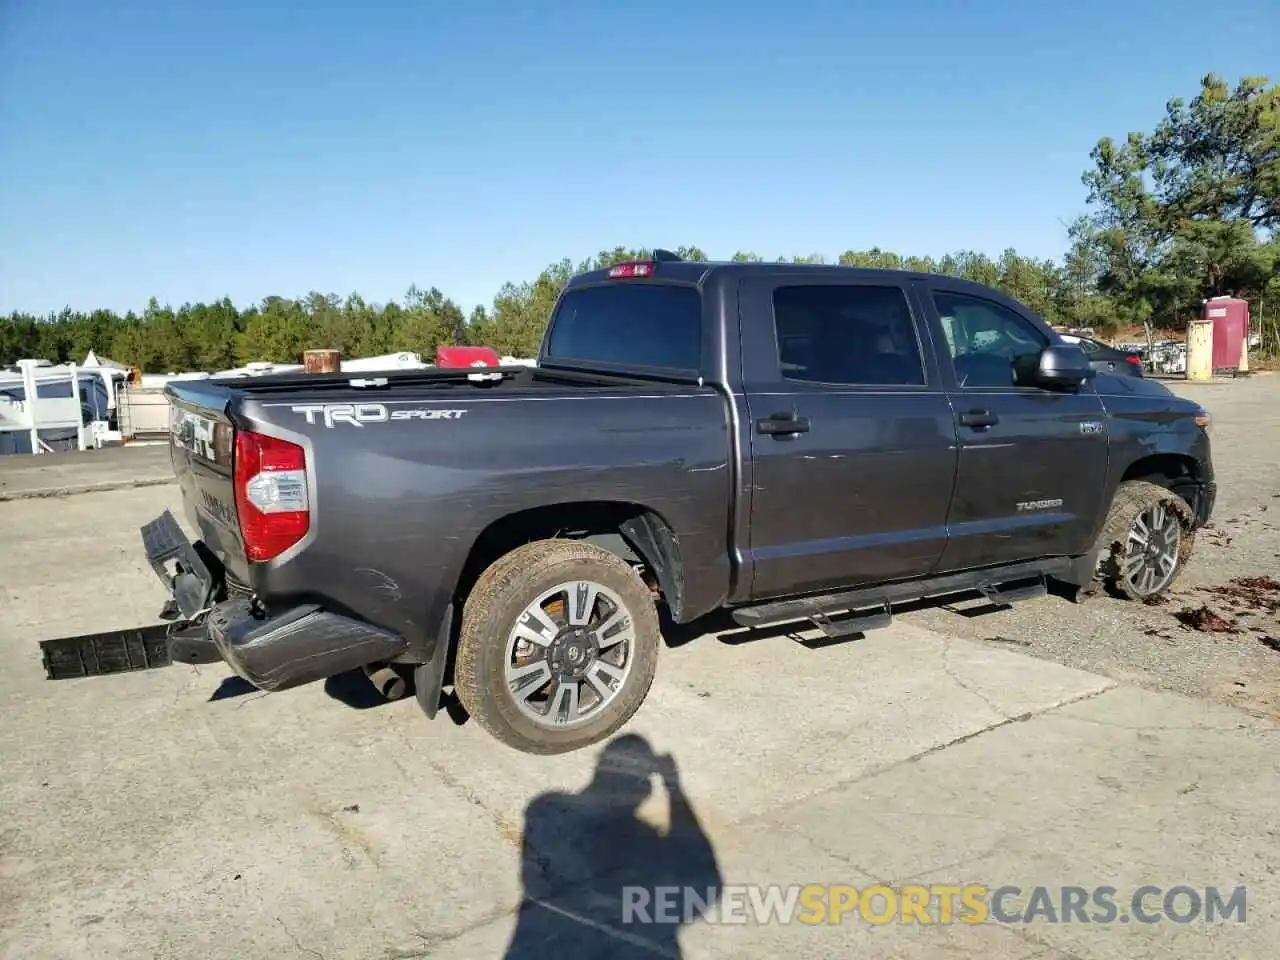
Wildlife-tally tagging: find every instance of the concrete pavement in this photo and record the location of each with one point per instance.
(173, 813)
(61, 474)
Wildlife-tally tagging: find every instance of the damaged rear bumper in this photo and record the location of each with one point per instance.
(286, 649)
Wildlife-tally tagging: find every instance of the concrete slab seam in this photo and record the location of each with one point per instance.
(48, 493)
(928, 752)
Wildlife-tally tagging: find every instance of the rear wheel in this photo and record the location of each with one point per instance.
(1147, 540)
(558, 646)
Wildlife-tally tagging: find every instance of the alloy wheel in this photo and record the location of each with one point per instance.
(1151, 550)
(569, 654)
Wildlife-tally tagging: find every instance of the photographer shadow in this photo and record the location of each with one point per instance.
(593, 871)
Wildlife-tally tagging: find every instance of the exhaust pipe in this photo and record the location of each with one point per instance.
(386, 680)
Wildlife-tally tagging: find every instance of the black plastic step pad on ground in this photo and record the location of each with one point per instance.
(119, 651)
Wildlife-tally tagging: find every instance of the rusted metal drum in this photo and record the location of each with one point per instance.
(322, 361)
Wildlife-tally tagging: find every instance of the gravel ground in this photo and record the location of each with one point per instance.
(1148, 645)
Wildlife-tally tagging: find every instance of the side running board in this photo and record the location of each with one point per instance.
(1002, 595)
(859, 621)
(856, 611)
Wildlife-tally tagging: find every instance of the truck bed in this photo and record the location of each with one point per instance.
(494, 378)
(407, 476)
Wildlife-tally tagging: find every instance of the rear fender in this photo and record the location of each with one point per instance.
(654, 541)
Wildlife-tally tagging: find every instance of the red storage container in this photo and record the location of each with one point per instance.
(467, 357)
(1230, 318)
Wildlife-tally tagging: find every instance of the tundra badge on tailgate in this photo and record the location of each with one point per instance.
(358, 414)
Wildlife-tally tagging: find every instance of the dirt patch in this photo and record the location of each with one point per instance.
(1215, 535)
(1256, 696)
(1016, 643)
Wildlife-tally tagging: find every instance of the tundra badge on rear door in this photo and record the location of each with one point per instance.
(358, 414)
(1050, 504)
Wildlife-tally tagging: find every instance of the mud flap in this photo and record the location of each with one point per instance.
(428, 678)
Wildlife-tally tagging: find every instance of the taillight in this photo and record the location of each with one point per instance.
(621, 271)
(270, 477)
(1133, 358)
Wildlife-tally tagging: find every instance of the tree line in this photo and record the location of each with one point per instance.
(1188, 211)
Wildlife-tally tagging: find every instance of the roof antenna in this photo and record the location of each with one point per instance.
(664, 256)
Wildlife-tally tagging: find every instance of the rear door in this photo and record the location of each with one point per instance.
(1033, 461)
(852, 438)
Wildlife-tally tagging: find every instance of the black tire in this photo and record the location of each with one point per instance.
(491, 613)
(1135, 499)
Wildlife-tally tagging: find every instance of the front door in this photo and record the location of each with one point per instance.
(852, 437)
(1033, 461)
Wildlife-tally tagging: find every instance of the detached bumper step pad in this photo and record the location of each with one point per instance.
(189, 582)
(95, 654)
(163, 539)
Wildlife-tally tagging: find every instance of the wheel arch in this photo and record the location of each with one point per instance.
(632, 531)
(1179, 472)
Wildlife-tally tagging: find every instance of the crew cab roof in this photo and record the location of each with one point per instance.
(704, 273)
(699, 271)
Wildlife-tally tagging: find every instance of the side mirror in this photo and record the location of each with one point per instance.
(1064, 365)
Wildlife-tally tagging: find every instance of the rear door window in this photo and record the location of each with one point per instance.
(630, 324)
(853, 334)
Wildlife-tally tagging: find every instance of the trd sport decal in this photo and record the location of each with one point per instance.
(359, 414)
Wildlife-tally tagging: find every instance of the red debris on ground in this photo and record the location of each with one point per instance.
(1203, 619)
(1269, 584)
(1251, 593)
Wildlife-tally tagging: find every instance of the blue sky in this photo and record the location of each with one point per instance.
(190, 150)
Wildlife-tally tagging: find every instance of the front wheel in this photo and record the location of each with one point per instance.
(1147, 540)
(558, 646)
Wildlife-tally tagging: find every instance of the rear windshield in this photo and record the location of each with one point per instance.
(635, 324)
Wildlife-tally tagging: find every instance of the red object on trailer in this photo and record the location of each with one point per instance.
(1230, 317)
(467, 357)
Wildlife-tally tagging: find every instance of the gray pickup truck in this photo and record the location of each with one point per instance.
(785, 442)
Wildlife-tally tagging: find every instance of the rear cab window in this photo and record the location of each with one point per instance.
(629, 324)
